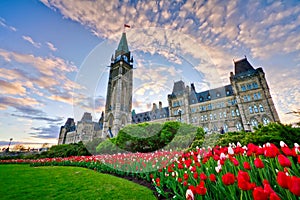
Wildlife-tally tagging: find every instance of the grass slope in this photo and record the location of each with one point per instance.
(24, 182)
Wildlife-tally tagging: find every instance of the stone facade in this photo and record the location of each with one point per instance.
(85, 130)
(242, 105)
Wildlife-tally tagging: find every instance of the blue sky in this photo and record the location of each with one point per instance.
(53, 55)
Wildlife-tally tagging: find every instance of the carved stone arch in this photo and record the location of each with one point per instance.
(123, 121)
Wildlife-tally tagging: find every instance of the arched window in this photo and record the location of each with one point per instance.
(255, 109)
(250, 110)
(266, 120)
(225, 127)
(239, 126)
(261, 108)
(254, 122)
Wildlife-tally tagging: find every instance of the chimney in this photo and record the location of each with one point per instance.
(160, 105)
(193, 87)
(154, 107)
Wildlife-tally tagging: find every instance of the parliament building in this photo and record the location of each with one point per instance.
(241, 105)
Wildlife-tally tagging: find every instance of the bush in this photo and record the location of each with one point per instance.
(272, 133)
(149, 137)
(66, 150)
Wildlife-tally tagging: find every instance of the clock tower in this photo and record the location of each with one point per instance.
(119, 90)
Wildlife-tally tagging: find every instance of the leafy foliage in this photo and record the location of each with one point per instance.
(66, 150)
(149, 137)
(272, 133)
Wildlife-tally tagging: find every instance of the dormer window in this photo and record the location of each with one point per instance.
(218, 94)
(208, 96)
(227, 92)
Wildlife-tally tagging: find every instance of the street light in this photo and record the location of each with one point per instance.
(249, 127)
(179, 112)
(9, 144)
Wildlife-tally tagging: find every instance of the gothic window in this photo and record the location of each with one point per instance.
(266, 120)
(205, 129)
(205, 117)
(232, 113)
(245, 99)
(221, 115)
(255, 109)
(254, 122)
(211, 117)
(225, 127)
(243, 88)
(250, 110)
(202, 118)
(224, 114)
(215, 116)
(239, 126)
(254, 85)
(248, 97)
(261, 108)
(209, 107)
(258, 95)
(249, 86)
(237, 112)
(255, 96)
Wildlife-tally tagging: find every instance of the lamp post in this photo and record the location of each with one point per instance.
(9, 144)
(179, 112)
(249, 126)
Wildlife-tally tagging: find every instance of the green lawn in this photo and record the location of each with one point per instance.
(24, 182)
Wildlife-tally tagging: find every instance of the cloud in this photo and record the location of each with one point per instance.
(43, 76)
(51, 46)
(48, 119)
(15, 88)
(4, 24)
(45, 132)
(217, 31)
(30, 40)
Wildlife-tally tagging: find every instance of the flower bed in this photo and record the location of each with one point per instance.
(233, 172)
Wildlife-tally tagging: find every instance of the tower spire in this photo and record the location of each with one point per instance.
(123, 46)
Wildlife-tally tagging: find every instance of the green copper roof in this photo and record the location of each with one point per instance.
(123, 46)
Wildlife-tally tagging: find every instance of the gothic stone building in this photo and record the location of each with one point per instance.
(241, 105)
(85, 130)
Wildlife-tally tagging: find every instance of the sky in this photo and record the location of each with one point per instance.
(54, 55)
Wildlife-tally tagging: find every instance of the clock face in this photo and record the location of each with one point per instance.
(125, 58)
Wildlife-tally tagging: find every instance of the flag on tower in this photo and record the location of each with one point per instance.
(126, 26)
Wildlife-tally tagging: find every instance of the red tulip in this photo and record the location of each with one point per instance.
(247, 166)
(271, 151)
(274, 196)
(243, 180)
(284, 161)
(157, 180)
(200, 189)
(185, 176)
(203, 176)
(283, 180)
(228, 178)
(212, 178)
(179, 180)
(294, 185)
(260, 194)
(258, 163)
(195, 175)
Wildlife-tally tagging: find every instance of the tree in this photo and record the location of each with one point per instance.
(19, 147)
